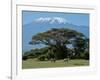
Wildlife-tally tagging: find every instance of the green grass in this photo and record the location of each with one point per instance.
(33, 63)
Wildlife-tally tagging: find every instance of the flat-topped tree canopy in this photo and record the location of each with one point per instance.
(60, 36)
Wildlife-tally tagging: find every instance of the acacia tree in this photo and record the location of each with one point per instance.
(57, 39)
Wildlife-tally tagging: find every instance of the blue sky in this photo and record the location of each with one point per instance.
(75, 18)
(31, 21)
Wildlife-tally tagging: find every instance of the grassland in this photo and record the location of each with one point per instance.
(33, 63)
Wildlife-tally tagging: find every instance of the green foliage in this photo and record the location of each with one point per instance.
(56, 43)
(42, 58)
(24, 58)
(86, 55)
(56, 37)
(81, 48)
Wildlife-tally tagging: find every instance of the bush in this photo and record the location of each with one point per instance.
(24, 57)
(84, 55)
(41, 58)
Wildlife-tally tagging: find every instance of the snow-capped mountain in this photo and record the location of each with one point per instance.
(42, 25)
(51, 20)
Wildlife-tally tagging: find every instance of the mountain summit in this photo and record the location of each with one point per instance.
(51, 20)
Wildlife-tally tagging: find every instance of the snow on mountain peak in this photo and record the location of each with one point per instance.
(51, 20)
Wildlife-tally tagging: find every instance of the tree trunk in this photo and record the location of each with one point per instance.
(61, 52)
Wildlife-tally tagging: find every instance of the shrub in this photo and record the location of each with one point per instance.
(41, 58)
(86, 55)
(24, 57)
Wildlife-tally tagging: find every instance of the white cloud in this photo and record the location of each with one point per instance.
(51, 20)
